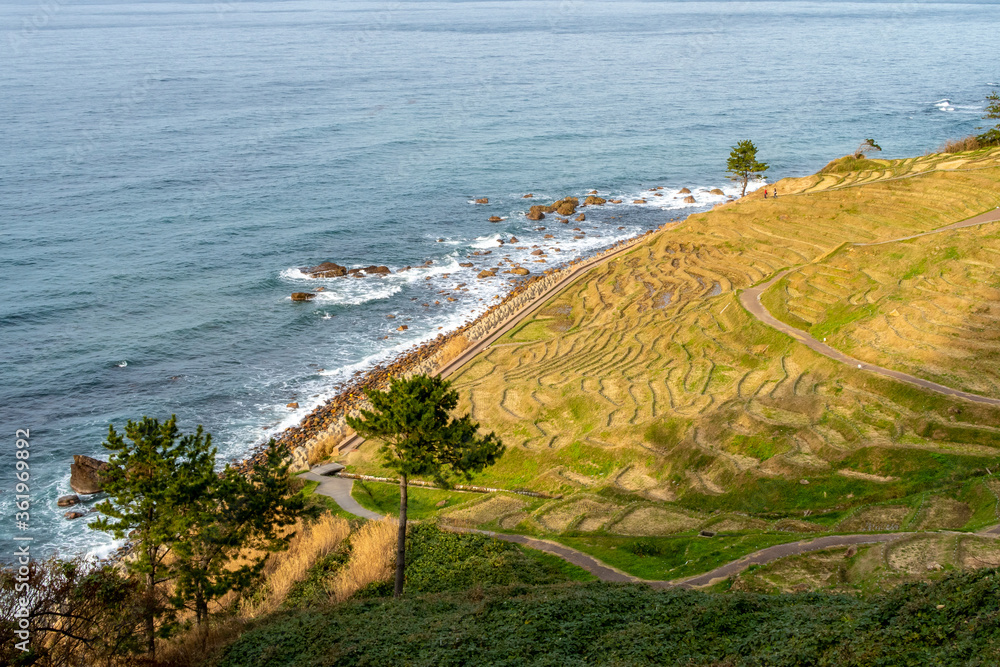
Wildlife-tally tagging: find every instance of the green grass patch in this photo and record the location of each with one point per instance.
(421, 503)
(673, 557)
(441, 560)
(983, 504)
(838, 316)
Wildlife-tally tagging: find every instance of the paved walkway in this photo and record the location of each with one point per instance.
(339, 488)
(750, 298)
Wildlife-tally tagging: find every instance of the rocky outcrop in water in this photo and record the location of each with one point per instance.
(303, 296)
(370, 271)
(325, 270)
(594, 201)
(85, 474)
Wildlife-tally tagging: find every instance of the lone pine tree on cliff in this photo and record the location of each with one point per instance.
(420, 438)
(742, 164)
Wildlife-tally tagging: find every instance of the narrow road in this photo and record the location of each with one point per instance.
(750, 299)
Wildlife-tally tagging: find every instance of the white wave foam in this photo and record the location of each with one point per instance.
(358, 291)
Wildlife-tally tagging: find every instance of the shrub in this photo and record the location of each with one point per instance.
(969, 143)
(440, 560)
(643, 548)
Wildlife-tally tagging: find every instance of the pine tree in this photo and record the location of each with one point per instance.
(241, 514)
(991, 136)
(157, 483)
(419, 438)
(743, 165)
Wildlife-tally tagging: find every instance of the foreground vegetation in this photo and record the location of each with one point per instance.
(955, 621)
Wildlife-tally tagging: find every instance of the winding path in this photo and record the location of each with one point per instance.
(750, 299)
(339, 488)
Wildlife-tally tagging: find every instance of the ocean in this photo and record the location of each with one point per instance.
(167, 168)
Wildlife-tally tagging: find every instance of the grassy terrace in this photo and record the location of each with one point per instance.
(649, 399)
(928, 306)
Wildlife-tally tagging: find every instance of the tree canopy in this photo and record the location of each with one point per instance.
(992, 135)
(743, 165)
(420, 438)
(188, 523)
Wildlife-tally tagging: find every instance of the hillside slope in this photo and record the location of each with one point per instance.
(648, 397)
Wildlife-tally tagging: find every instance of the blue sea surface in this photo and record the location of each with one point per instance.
(167, 167)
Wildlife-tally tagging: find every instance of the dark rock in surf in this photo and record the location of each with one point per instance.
(85, 474)
(325, 270)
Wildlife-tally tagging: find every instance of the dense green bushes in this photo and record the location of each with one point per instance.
(953, 622)
(439, 560)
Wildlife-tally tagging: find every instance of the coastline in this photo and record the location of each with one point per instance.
(323, 433)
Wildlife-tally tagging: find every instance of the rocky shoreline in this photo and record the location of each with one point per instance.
(320, 433)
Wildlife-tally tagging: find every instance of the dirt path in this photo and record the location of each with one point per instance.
(750, 298)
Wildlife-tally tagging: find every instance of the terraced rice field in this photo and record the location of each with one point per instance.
(871, 568)
(929, 307)
(649, 398)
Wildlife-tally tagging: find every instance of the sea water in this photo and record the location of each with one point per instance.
(167, 168)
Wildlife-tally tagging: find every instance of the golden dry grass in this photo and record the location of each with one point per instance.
(929, 307)
(284, 569)
(373, 559)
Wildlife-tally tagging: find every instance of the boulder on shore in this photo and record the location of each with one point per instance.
(68, 501)
(487, 273)
(683, 191)
(594, 201)
(528, 196)
(303, 296)
(85, 474)
(495, 218)
(483, 200)
(325, 270)
(73, 514)
(716, 191)
(580, 218)
(616, 201)
(520, 271)
(689, 200)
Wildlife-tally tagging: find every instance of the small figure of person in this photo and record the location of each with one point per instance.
(776, 193)
(765, 193)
